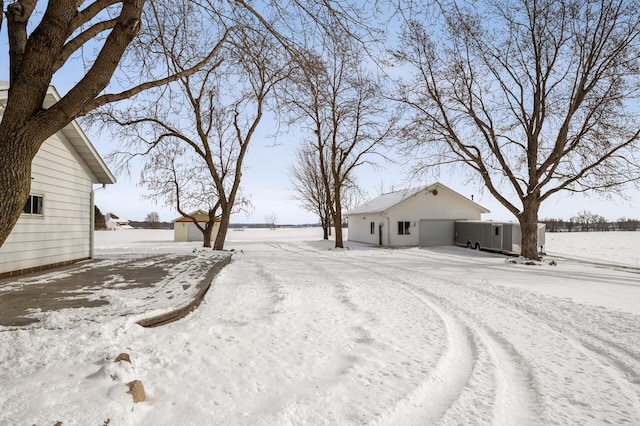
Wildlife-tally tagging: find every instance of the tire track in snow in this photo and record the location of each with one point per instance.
(456, 358)
(619, 363)
(443, 385)
(606, 374)
(546, 355)
(457, 387)
(497, 390)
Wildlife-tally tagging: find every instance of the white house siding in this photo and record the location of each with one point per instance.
(62, 233)
(360, 229)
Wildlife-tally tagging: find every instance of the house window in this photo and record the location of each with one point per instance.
(34, 205)
(404, 228)
(372, 228)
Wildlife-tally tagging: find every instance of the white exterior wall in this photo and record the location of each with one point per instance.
(63, 232)
(424, 205)
(360, 228)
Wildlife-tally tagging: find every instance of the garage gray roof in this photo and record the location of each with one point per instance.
(384, 202)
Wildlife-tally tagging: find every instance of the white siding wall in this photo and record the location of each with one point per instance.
(62, 233)
(360, 229)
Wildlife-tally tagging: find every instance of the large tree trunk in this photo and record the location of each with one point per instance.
(529, 228)
(15, 178)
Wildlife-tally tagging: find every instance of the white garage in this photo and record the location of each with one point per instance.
(434, 232)
(185, 230)
(193, 233)
(422, 216)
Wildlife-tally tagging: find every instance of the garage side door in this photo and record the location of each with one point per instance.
(194, 234)
(436, 233)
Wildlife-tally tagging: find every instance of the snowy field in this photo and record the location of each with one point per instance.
(294, 333)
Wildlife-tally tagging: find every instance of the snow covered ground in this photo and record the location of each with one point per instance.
(293, 332)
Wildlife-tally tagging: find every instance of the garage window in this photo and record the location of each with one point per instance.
(373, 228)
(404, 228)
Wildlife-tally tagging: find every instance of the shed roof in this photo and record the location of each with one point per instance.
(386, 201)
(75, 135)
(195, 213)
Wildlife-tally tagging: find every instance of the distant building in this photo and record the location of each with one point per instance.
(56, 226)
(185, 230)
(114, 223)
(423, 216)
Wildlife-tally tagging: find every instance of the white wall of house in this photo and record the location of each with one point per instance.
(360, 229)
(63, 232)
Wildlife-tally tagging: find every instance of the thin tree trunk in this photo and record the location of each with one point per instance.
(207, 236)
(224, 226)
(337, 214)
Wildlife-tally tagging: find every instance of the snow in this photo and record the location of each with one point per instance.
(295, 332)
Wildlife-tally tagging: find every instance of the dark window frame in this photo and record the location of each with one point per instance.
(404, 227)
(34, 205)
(372, 227)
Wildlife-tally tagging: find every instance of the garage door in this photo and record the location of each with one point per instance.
(436, 233)
(194, 234)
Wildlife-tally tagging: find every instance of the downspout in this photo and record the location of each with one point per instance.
(384, 215)
(92, 224)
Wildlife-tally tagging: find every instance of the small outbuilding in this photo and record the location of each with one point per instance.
(57, 223)
(185, 230)
(114, 223)
(423, 216)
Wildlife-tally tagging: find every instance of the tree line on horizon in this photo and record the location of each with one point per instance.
(586, 221)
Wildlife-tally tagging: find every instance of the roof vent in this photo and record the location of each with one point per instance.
(434, 192)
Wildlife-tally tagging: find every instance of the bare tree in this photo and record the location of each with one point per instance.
(183, 182)
(534, 97)
(342, 104)
(40, 43)
(589, 221)
(271, 220)
(208, 119)
(152, 220)
(311, 192)
(44, 36)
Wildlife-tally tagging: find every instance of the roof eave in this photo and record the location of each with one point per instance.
(81, 143)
